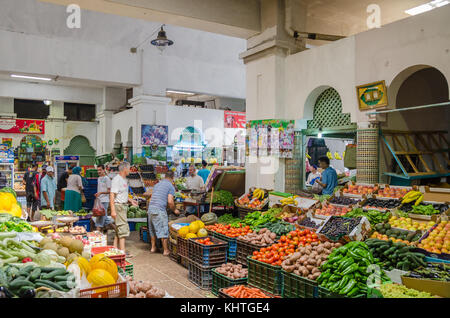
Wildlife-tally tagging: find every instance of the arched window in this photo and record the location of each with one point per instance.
(80, 146)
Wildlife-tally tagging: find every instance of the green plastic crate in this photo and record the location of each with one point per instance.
(91, 173)
(103, 159)
(295, 286)
(265, 276)
(221, 281)
(139, 225)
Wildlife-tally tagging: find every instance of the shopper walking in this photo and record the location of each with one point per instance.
(103, 192)
(48, 189)
(72, 198)
(158, 221)
(118, 200)
(29, 179)
(329, 176)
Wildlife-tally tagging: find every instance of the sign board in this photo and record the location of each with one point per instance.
(22, 126)
(67, 158)
(6, 154)
(373, 95)
(154, 135)
(234, 119)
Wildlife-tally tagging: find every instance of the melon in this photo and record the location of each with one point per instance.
(65, 241)
(209, 218)
(191, 235)
(44, 241)
(51, 246)
(63, 251)
(193, 227)
(76, 246)
(202, 233)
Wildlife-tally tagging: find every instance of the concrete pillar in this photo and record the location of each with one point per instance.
(150, 110)
(7, 107)
(54, 126)
(367, 153)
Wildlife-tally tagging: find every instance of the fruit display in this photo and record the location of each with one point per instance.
(308, 222)
(194, 229)
(399, 291)
(345, 270)
(253, 200)
(374, 216)
(413, 196)
(8, 203)
(180, 183)
(438, 239)
(228, 230)
(307, 260)
(433, 271)
(322, 198)
(205, 241)
(380, 204)
(391, 192)
(386, 232)
(397, 255)
(337, 227)
(360, 189)
(242, 291)
(262, 237)
(77, 230)
(233, 271)
(344, 200)
(288, 201)
(330, 209)
(287, 244)
(144, 289)
(223, 197)
(410, 224)
(49, 214)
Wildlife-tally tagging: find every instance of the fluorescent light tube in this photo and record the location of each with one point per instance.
(179, 92)
(31, 77)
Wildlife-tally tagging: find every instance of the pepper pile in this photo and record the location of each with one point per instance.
(256, 220)
(373, 216)
(229, 219)
(15, 225)
(345, 271)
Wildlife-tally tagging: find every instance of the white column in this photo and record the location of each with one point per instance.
(54, 126)
(105, 134)
(7, 107)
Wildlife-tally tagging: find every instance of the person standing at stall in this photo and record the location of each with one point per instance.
(103, 193)
(328, 181)
(158, 221)
(118, 200)
(72, 198)
(62, 183)
(29, 179)
(193, 182)
(48, 189)
(204, 172)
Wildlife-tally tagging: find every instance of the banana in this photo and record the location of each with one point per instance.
(308, 156)
(337, 156)
(420, 199)
(412, 197)
(329, 155)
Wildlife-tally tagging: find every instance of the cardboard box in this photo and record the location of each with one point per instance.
(433, 287)
(440, 195)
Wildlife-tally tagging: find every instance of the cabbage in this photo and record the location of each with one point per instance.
(46, 257)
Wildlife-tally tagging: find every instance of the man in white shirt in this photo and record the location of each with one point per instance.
(193, 182)
(118, 201)
(103, 192)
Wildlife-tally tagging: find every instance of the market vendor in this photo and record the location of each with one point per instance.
(48, 189)
(158, 221)
(328, 180)
(103, 192)
(72, 199)
(118, 200)
(178, 169)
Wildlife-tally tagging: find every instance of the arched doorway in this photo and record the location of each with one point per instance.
(427, 127)
(80, 146)
(117, 149)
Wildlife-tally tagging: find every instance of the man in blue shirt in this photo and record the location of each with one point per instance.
(204, 173)
(158, 221)
(328, 181)
(48, 190)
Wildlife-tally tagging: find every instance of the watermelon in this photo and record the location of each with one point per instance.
(209, 218)
(131, 215)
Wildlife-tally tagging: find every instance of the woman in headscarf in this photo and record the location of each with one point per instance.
(72, 199)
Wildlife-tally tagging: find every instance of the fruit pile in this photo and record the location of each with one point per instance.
(413, 196)
(195, 229)
(229, 231)
(409, 224)
(438, 240)
(388, 192)
(386, 232)
(205, 241)
(253, 200)
(8, 203)
(276, 253)
(379, 204)
(338, 226)
(331, 209)
(343, 201)
(360, 189)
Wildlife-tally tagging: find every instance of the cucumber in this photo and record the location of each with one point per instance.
(48, 284)
(35, 273)
(19, 283)
(56, 272)
(60, 278)
(25, 271)
(49, 269)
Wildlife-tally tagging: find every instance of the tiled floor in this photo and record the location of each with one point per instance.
(161, 270)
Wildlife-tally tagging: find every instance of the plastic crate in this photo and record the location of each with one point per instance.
(184, 261)
(139, 225)
(118, 259)
(182, 247)
(173, 252)
(325, 293)
(232, 244)
(86, 223)
(143, 234)
(200, 275)
(295, 286)
(221, 281)
(103, 159)
(208, 255)
(264, 276)
(132, 226)
(118, 290)
(245, 249)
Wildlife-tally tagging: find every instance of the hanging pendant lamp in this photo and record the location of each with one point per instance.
(161, 42)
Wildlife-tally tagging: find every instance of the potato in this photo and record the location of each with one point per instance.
(319, 249)
(314, 243)
(309, 267)
(336, 245)
(297, 272)
(312, 261)
(327, 245)
(315, 270)
(310, 276)
(273, 236)
(305, 273)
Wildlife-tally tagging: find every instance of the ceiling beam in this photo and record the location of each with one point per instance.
(235, 18)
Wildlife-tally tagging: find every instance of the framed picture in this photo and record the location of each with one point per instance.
(154, 135)
(373, 95)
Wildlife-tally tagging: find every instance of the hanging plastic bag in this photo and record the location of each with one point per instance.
(316, 187)
(98, 209)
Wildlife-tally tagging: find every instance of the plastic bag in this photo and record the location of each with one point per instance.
(98, 209)
(316, 188)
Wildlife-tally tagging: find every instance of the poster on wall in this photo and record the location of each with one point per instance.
(234, 119)
(22, 126)
(271, 137)
(373, 95)
(7, 141)
(154, 135)
(157, 153)
(6, 154)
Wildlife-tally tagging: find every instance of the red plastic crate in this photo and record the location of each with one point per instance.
(118, 290)
(118, 259)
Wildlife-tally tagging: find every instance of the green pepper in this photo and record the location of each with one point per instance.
(344, 281)
(345, 263)
(352, 268)
(350, 285)
(335, 287)
(353, 292)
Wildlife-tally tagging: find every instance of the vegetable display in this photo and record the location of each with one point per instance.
(379, 204)
(16, 225)
(385, 232)
(307, 260)
(205, 241)
(49, 214)
(232, 271)
(424, 208)
(8, 203)
(223, 197)
(229, 219)
(12, 251)
(433, 271)
(343, 200)
(257, 220)
(262, 237)
(280, 227)
(392, 255)
(228, 230)
(144, 289)
(136, 212)
(345, 270)
(400, 291)
(241, 291)
(322, 198)
(308, 222)
(373, 216)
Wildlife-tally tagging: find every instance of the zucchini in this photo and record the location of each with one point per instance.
(49, 284)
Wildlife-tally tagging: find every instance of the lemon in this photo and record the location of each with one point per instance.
(183, 231)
